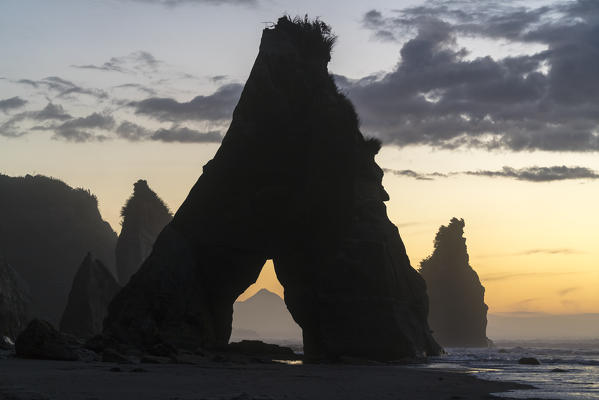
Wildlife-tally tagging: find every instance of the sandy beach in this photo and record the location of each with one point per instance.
(37, 380)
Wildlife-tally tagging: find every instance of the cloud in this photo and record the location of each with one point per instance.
(529, 174)
(567, 291)
(564, 251)
(132, 132)
(63, 87)
(174, 3)
(134, 62)
(540, 174)
(416, 175)
(137, 86)
(531, 252)
(12, 103)
(84, 129)
(186, 135)
(218, 78)
(518, 275)
(176, 134)
(215, 107)
(524, 303)
(437, 96)
(52, 112)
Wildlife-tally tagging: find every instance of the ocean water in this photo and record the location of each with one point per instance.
(568, 370)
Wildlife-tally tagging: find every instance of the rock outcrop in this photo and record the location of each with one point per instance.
(458, 313)
(264, 315)
(46, 228)
(294, 181)
(14, 302)
(144, 216)
(40, 340)
(93, 289)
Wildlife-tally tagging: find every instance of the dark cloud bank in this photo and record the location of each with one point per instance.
(436, 95)
(530, 174)
(548, 100)
(12, 103)
(215, 107)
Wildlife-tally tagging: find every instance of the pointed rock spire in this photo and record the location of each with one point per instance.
(457, 309)
(14, 301)
(144, 216)
(93, 289)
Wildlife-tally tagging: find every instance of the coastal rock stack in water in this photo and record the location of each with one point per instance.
(93, 289)
(14, 302)
(458, 313)
(294, 181)
(144, 216)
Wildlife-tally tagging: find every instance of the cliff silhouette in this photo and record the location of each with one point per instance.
(144, 216)
(47, 228)
(294, 180)
(93, 289)
(14, 302)
(457, 309)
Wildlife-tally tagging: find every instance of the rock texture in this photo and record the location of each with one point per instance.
(264, 315)
(40, 340)
(14, 302)
(458, 313)
(144, 216)
(46, 228)
(295, 181)
(93, 289)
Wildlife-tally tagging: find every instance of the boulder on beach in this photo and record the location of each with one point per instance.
(93, 289)
(457, 309)
(295, 181)
(144, 216)
(14, 303)
(529, 361)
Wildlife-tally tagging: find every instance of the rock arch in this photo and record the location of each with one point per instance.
(295, 181)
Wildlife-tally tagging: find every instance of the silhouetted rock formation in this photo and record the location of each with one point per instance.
(93, 289)
(41, 341)
(266, 316)
(46, 229)
(295, 181)
(458, 313)
(14, 301)
(144, 216)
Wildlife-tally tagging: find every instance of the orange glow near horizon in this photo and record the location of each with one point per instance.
(534, 245)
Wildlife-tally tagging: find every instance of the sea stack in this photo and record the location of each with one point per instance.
(144, 216)
(14, 302)
(46, 228)
(93, 289)
(458, 313)
(294, 180)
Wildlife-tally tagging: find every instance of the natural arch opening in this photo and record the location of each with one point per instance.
(260, 312)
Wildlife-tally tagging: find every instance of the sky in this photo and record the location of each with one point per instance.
(487, 111)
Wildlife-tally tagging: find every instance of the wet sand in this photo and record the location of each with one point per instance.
(37, 380)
